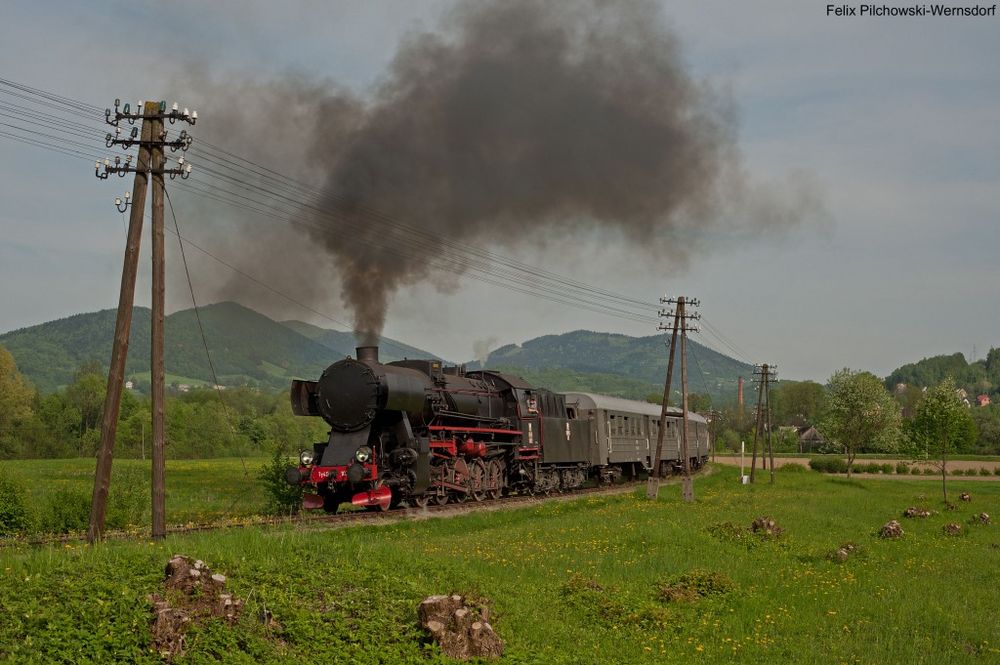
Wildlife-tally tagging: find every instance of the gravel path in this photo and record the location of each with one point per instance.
(804, 461)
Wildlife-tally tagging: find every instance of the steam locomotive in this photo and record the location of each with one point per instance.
(419, 432)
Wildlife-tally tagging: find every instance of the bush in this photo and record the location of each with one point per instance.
(696, 584)
(887, 468)
(902, 467)
(65, 510)
(14, 516)
(282, 498)
(983, 471)
(915, 471)
(928, 471)
(828, 465)
(957, 472)
(129, 498)
(792, 468)
(996, 471)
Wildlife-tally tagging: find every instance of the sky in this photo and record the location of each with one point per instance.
(893, 120)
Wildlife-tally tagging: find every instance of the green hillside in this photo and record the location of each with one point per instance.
(567, 380)
(584, 359)
(246, 347)
(250, 348)
(981, 376)
(51, 352)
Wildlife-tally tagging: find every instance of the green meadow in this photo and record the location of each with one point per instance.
(609, 579)
(198, 491)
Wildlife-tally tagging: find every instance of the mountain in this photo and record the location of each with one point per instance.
(250, 348)
(246, 347)
(584, 356)
(980, 376)
(50, 353)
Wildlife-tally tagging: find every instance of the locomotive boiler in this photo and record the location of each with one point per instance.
(419, 432)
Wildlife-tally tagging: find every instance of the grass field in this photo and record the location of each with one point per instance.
(197, 490)
(571, 582)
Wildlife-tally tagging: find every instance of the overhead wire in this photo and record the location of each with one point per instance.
(201, 327)
(456, 266)
(448, 255)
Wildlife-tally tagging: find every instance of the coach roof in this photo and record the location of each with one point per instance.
(607, 403)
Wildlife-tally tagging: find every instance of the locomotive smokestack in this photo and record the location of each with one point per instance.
(368, 354)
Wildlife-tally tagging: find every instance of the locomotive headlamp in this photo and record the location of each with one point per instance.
(363, 454)
(306, 457)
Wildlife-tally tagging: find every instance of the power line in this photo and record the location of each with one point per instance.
(396, 226)
(201, 328)
(450, 256)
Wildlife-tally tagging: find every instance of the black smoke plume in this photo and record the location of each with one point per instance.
(517, 121)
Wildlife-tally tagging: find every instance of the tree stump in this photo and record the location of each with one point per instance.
(461, 631)
(190, 593)
(891, 529)
(913, 511)
(766, 526)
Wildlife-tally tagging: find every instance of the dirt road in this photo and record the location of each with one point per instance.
(804, 461)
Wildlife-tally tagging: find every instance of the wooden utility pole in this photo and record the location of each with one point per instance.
(653, 484)
(763, 374)
(679, 326)
(150, 162)
(687, 483)
(157, 376)
(123, 326)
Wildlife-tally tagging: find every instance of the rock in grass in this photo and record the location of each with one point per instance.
(462, 632)
(891, 529)
(965, 496)
(981, 518)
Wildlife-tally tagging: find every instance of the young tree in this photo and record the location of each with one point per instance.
(797, 402)
(16, 397)
(16, 394)
(859, 413)
(942, 424)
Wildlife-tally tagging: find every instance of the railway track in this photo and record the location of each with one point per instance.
(339, 520)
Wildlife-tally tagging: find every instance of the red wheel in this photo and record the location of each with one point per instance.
(478, 480)
(494, 479)
(461, 476)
